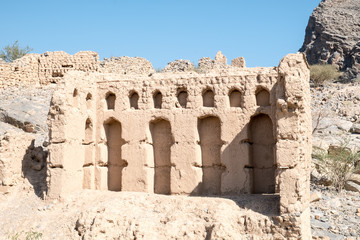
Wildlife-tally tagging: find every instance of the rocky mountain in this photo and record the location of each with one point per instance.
(333, 36)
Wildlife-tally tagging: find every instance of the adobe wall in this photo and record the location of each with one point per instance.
(14, 144)
(49, 67)
(54, 65)
(244, 131)
(23, 71)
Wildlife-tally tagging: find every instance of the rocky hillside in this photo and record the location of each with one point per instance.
(333, 36)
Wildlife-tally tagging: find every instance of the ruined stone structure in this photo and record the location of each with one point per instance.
(49, 67)
(219, 130)
(245, 131)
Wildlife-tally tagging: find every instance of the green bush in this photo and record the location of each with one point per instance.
(319, 73)
(13, 52)
(338, 163)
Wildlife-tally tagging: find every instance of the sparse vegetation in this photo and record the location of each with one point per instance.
(318, 115)
(158, 70)
(338, 163)
(319, 73)
(12, 52)
(30, 235)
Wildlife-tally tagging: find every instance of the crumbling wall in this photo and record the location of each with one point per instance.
(72, 117)
(293, 147)
(13, 147)
(50, 67)
(54, 65)
(23, 71)
(228, 132)
(232, 131)
(126, 65)
(184, 108)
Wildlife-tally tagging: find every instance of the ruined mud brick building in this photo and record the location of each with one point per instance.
(227, 132)
(49, 67)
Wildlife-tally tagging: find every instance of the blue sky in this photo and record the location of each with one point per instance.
(161, 31)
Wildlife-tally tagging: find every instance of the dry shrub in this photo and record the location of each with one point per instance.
(30, 235)
(319, 73)
(338, 163)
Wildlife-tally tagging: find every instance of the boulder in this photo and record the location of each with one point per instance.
(351, 186)
(355, 178)
(332, 36)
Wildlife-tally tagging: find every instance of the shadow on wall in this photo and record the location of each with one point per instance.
(209, 129)
(162, 140)
(265, 204)
(116, 164)
(249, 160)
(34, 168)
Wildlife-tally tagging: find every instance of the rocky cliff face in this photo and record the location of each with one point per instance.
(333, 36)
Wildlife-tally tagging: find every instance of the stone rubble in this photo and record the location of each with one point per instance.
(335, 114)
(335, 215)
(179, 66)
(126, 65)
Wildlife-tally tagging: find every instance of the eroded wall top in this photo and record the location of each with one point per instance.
(50, 67)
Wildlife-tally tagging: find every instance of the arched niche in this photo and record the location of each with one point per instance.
(134, 100)
(262, 154)
(115, 163)
(75, 93)
(208, 98)
(88, 155)
(162, 140)
(209, 129)
(235, 98)
(262, 97)
(88, 131)
(75, 97)
(157, 98)
(182, 97)
(88, 100)
(88, 97)
(110, 100)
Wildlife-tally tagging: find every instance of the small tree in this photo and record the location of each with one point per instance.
(12, 52)
(319, 73)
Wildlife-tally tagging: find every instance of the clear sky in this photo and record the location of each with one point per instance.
(161, 31)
